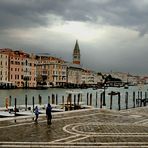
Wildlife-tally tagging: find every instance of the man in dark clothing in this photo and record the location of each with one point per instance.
(48, 114)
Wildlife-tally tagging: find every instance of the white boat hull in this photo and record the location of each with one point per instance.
(6, 114)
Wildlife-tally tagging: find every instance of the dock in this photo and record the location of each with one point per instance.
(80, 128)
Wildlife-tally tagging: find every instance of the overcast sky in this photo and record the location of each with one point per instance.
(112, 34)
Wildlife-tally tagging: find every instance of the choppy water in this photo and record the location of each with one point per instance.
(20, 95)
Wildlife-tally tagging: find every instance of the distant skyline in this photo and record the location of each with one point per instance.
(112, 34)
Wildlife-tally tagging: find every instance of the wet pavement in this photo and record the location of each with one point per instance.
(81, 128)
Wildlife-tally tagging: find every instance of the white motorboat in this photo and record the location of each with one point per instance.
(24, 113)
(6, 114)
(9, 109)
(42, 109)
(74, 92)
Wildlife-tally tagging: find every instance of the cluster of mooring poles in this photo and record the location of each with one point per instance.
(73, 100)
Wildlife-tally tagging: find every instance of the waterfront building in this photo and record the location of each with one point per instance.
(74, 74)
(90, 77)
(126, 77)
(58, 71)
(51, 71)
(144, 80)
(29, 71)
(76, 54)
(86, 77)
(42, 70)
(4, 67)
(21, 68)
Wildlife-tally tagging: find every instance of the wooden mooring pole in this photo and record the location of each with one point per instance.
(119, 106)
(91, 99)
(101, 100)
(145, 99)
(78, 99)
(25, 102)
(111, 100)
(87, 98)
(49, 99)
(56, 99)
(63, 100)
(70, 100)
(53, 99)
(10, 100)
(33, 103)
(126, 100)
(74, 100)
(133, 99)
(137, 101)
(96, 99)
(104, 102)
(40, 99)
(15, 103)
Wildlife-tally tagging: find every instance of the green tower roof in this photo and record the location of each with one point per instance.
(76, 49)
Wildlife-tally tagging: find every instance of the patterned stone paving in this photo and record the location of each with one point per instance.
(82, 128)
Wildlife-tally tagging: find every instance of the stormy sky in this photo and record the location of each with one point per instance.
(112, 34)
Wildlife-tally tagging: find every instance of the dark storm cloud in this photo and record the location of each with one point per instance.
(27, 24)
(34, 13)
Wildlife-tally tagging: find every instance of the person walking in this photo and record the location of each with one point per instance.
(36, 111)
(48, 114)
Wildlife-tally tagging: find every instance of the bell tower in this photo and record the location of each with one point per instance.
(76, 54)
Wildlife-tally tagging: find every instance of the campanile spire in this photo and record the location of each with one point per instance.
(76, 54)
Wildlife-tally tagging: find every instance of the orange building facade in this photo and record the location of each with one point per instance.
(21, 68)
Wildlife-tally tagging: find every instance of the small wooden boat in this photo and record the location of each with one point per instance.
(113, 93)
(126, 87)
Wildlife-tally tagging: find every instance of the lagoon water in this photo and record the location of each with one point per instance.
(20, 95)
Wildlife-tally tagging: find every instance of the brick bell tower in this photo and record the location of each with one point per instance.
(76, 54)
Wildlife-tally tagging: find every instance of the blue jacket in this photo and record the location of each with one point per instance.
(36, 111)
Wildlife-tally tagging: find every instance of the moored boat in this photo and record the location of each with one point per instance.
(6, 114)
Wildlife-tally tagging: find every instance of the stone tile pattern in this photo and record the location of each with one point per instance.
(92, 128)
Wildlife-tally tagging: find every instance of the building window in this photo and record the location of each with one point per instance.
(26, 62)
